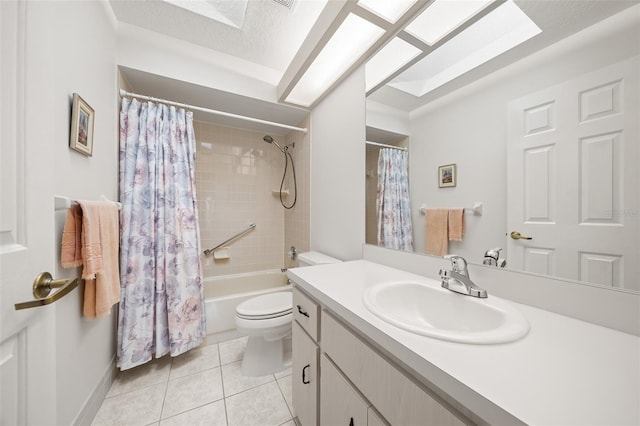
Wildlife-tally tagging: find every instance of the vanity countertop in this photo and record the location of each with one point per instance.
(563, 372)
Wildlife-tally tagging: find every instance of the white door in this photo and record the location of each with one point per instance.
(573, 178)
(27, 337)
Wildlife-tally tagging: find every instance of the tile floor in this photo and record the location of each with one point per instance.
(202, 387)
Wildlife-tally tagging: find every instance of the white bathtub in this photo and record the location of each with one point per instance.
(222, 294)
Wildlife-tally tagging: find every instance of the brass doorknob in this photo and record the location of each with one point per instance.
(518, 236)
(42, 286)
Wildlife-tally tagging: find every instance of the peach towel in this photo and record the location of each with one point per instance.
(456, 224)
(437, 231)
(99, 243)
(71, 252)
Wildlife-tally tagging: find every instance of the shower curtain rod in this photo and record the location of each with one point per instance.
(212, 111)
(401, 148)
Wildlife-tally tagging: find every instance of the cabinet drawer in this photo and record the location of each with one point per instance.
(398, 399)
(306, 312)
(340, 403)
(304, 376)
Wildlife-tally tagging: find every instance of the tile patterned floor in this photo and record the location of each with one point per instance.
(202, 387)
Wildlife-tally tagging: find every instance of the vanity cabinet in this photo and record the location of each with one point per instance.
(306, 312)
(374, 419)
(340, 403)
(357, 385)
(398, 399)
(304, 379)
(306, 355)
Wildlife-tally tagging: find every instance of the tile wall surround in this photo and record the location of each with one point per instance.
(297, 219)
(236, 175)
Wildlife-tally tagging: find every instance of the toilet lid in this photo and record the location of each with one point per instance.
(266, 306)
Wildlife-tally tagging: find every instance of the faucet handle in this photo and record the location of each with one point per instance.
(493, 253)
(458, 263)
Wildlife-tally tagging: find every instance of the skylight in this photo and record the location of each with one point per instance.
(442, 17)
(390, 58)
(350, 41)
(391, 10)
(499, 31)
(227, 12)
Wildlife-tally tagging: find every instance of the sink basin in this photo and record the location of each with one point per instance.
(435, 312)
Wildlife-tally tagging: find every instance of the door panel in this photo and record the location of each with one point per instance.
(539, 184)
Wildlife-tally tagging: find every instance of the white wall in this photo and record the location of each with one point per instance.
(469, 126)
(71, 47)
(337, 225)
(159, 54)
(387, 118)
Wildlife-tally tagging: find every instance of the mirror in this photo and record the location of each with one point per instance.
(548, 143)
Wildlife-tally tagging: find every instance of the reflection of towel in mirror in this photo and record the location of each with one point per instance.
(456, 224)
(437, 231)
(98, 245)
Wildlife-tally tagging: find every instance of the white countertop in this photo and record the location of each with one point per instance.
(564, 372)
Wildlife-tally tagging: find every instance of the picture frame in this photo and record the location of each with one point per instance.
(447, 176)
(81, 135)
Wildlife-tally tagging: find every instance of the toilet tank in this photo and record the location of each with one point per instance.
(311, 258)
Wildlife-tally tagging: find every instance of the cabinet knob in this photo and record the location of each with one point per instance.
(351, 422)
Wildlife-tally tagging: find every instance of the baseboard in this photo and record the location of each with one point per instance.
(94, 401)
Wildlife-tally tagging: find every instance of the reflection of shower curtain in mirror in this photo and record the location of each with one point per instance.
(393, 204)
(161, 296)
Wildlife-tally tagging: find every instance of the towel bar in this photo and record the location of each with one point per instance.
(63, 203)
(476, 209)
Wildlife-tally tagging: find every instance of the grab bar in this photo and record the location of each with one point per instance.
(239, 234)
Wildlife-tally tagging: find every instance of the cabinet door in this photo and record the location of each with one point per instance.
(374, 418)
(304, 376)
(340, 403)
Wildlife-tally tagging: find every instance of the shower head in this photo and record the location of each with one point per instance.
(269, 139)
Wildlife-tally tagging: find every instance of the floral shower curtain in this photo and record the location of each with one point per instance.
(162, 301)
(393, 205)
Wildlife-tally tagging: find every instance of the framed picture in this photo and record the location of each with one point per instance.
(81, 138)
(447, 176)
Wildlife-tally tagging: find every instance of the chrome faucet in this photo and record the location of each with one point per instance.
(457, 279)
(492, 258)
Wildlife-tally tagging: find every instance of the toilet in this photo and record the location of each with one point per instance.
(267, 320)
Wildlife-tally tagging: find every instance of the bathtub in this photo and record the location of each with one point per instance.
(222, 294)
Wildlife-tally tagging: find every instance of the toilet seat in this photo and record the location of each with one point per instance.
(267, 306)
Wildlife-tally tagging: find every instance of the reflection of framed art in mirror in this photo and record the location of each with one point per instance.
(447, 176)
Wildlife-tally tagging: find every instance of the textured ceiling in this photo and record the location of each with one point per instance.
(270, 36)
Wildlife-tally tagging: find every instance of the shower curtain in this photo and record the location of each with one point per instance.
(393, 204)
(162, 300)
